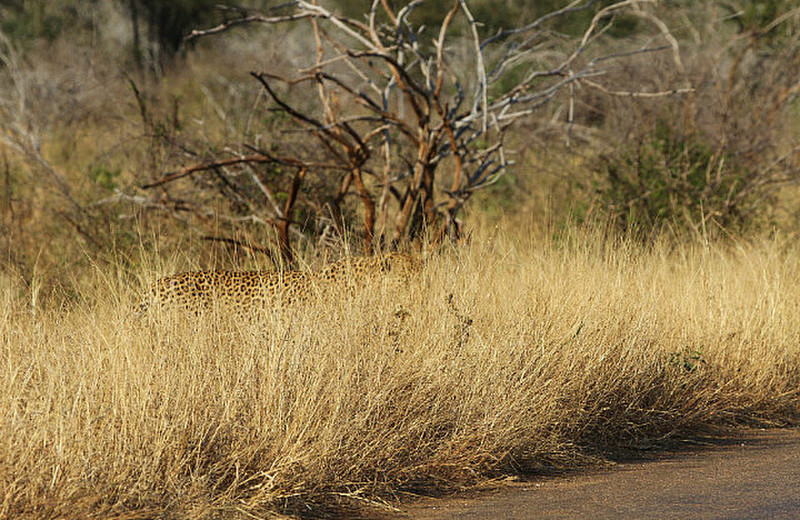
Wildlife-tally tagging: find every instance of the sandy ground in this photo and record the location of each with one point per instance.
(753, 475)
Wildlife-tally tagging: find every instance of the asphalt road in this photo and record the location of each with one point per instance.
(753, 476)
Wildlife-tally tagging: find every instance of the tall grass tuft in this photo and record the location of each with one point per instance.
(502, 358)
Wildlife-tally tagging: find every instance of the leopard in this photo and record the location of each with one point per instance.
(246, 291)
(399, 266)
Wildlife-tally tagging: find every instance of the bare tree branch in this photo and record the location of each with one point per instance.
(389, 110)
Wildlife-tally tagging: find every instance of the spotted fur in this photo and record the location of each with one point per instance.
(197, 291)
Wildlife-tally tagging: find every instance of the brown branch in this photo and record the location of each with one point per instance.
(262, 78)
(457, 152)
(247, 159)
(388, 10)
(404, 80)
(336, 202)
(139, 102)
(285, 220)
(369, 211)
(183, 172)
(365, 101)
(440, 49)
(319, 127)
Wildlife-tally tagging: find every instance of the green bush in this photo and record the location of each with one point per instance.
(105, 176)
(25, 21)
(675, 179)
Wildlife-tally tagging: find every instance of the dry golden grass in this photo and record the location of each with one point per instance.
(506, 357)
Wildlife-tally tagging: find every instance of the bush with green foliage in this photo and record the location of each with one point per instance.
(31, 20)
(675, 178)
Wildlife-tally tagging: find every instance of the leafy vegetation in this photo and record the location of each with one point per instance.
(677, 181)
(31, 20)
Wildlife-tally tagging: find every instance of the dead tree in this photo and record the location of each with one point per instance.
(410, 121)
